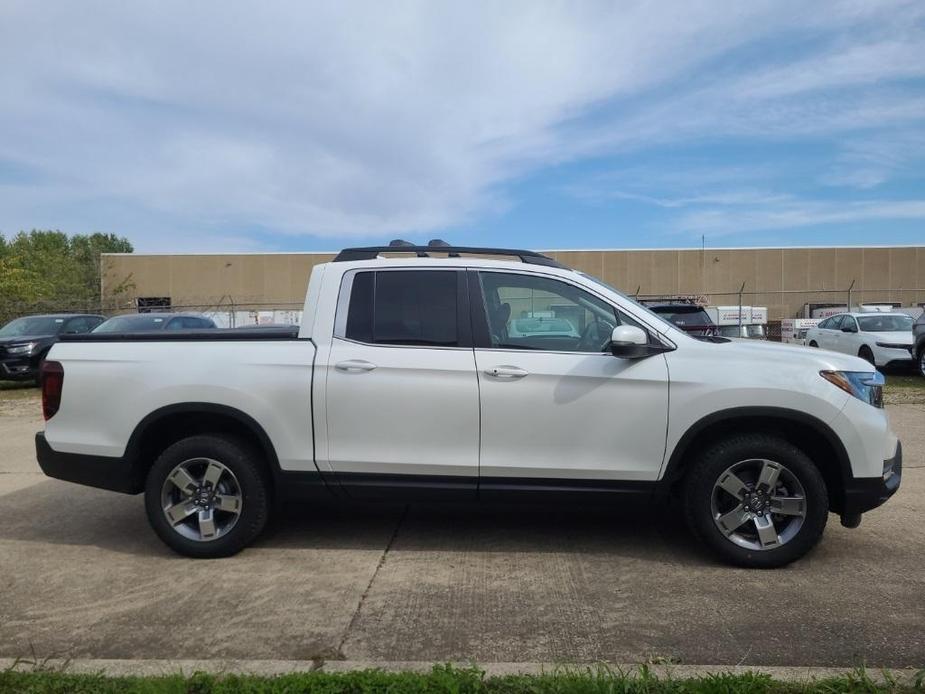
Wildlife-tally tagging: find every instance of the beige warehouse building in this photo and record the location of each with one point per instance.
(783, 279)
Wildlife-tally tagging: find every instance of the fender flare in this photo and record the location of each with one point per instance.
(675, 465)
(133, 448)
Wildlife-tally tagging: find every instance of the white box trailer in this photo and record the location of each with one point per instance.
(736, 321)
(728, 319)
(758, 326)
(829, 311)
(793, 330)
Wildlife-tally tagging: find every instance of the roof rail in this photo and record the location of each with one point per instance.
(438, 246)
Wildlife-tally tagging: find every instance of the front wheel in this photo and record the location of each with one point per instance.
(868, 356)
(812, 343)
(756, 500)
(206, 496)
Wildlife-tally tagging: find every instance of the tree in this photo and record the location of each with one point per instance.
(53, 268)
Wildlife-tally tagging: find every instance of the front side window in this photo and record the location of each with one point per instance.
(539, 313)
(404, 307)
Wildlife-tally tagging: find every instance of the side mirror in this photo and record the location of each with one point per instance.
(629, 342)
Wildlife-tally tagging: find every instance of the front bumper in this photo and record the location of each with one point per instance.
(115, 474)
(887, 356)
(865, 493)
(18, 369)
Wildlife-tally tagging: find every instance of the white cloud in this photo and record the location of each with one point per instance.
(797, 214)
(167, 120)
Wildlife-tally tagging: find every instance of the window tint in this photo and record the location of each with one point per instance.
(414, 307)
(80, 325)
(836, 322)
(825, 324)
(530, 312)
(360, 311)
(188, 323)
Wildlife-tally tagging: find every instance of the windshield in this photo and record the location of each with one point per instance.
(685, 315)
(132, 324)
(731, 331)
(32, 325)
(885, 323)
(645, 309)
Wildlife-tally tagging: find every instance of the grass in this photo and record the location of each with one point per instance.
(445, 678)
(17, 386)
(914, 381)
(904, 388)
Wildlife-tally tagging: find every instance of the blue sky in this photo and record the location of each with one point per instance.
(310, 126)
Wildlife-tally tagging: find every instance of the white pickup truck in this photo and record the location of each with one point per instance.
(406, 381)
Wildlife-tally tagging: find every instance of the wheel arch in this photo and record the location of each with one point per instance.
(169, 424)
(805, 431)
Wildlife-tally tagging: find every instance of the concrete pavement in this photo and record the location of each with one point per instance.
(82, 576)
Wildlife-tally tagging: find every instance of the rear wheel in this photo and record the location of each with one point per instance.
(867, 355)
(756, 500)
(206, 496)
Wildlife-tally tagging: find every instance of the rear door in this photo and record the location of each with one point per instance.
(402, 398)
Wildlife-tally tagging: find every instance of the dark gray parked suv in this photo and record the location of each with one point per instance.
(918, 337)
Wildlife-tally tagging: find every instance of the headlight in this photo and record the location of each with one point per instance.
(864, 385)
(21, 349)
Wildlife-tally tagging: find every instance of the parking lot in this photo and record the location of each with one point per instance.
(82, 576)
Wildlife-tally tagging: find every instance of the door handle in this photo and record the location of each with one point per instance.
(354, 365)
(508, 372)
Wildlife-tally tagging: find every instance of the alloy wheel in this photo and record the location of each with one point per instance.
(201, 499)
(758, 504)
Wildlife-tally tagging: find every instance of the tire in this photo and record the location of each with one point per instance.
(206, 523)
(708, 500)
(920, 362)
(868, 356)
(812, 343)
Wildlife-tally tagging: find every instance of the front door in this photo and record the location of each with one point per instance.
(402, 396)
(555, 405)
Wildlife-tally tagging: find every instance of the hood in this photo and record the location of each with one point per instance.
(18, 339)
(899, 337)
(812, 357)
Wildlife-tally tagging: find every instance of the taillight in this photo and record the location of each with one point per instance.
(52, 378)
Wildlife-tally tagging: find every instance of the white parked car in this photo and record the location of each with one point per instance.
(881, 339)
(405, 381)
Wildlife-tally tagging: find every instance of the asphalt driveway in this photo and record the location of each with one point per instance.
(82, 576)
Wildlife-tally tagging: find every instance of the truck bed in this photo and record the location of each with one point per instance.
(219, 334)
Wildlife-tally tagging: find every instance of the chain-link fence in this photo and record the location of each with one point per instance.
(225, 311)
(803, 303)
(233, 311)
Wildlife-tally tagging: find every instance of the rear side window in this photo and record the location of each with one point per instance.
(396, 307)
